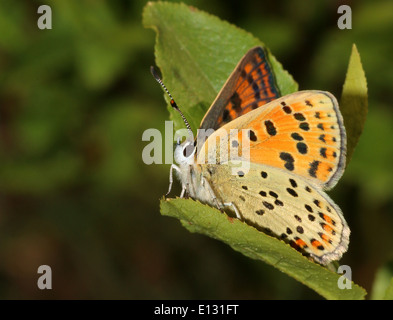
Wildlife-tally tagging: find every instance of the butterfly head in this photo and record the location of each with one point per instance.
(185, 152)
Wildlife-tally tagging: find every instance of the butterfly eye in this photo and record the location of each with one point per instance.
(188, 150)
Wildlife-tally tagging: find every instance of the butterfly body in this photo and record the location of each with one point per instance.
(294, 147)
(193, 176)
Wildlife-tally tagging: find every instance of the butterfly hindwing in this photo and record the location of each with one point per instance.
(285, 205)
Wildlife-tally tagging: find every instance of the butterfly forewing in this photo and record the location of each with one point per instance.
(302, 133)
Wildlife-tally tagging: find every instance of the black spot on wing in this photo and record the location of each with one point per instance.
(225, 116)
(304, 126)
(273, 194)
(322, 152)
(301, 147)
(236, 102)
(268, 205)
(293, 183)
(292, 192)
(313, 168)
(278, 203)
(322, 138)
(286, 109)
(289, 160)
(263, 193)
(311, 217)
(296, 136)
(299, 116)
(252, 136)
(299, 229)
(270, 128)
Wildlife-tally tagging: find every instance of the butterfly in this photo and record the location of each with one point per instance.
(296, 150)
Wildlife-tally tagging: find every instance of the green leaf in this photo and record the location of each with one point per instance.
(196, 52)
(200, 218)
(389, 291)
(383, 283)
(354, 101)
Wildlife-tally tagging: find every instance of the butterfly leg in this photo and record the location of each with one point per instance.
(233, 207)
(183, 190)
(190, 186)
(213, 199)
(173, 167)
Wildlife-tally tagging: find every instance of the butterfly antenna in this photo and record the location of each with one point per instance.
(173, 103)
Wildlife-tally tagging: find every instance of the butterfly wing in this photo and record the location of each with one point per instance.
(251, 85)
(301, 133)
(285, 205)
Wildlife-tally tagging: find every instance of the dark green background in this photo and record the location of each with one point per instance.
(74, 192)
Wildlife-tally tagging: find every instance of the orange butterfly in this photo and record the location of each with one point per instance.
(294, 147)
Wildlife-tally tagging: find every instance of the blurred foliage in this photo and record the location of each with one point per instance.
(383, 282)
(74, 192)
(354, 102)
